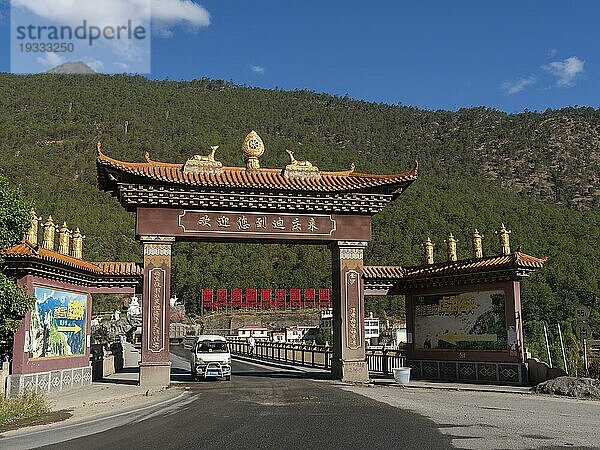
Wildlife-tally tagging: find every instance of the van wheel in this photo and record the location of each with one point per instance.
(228, 378)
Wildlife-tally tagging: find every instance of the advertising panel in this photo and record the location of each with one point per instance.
(465, 321)
(58, 323)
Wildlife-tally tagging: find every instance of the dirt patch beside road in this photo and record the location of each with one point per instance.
(571, 387)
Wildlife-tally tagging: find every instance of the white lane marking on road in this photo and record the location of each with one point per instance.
(92, 421)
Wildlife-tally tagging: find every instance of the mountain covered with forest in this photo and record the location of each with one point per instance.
(537, 172)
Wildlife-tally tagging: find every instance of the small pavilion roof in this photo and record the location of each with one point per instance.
(26, 250)
(158, 172)
(513, 261)
(516, 264)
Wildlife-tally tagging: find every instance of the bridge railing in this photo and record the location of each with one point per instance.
(312, 355)
(303, 354)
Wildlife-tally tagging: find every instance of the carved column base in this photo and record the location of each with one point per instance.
(155, 374)
(350, 371)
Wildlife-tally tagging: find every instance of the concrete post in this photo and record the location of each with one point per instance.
(155, 366)
(4, 372)
(349, 360)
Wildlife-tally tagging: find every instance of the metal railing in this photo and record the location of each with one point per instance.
(379, 360)
(384, 360)
(303, 354)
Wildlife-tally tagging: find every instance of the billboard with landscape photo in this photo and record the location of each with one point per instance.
(58, 323)
(467, 321)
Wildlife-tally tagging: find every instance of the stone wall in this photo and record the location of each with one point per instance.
(539, 371)
(56, 380)
(469, 371)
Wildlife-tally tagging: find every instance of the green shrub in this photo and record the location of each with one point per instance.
(25, 406)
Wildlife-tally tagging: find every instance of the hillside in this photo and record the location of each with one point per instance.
(537, 172)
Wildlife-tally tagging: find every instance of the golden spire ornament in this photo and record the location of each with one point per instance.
(64, 238)
(32, 232)
(451, 248)
(504, 236)
(49, 228)
(476, 240)
(428, 251)
(77, 250)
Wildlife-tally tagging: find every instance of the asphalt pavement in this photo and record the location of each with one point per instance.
(264, 408)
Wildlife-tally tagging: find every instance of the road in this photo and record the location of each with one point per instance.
(268, 408)
(494, 420)
(265, 407)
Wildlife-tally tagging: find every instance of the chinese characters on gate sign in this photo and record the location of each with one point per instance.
(155, 310)
(211, 221)
(353, 331)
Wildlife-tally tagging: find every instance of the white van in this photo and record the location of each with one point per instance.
(211, 357)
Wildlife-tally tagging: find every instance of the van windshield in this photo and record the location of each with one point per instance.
(212, 347)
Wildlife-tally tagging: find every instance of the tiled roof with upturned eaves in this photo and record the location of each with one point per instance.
(27, 250)
(513, 261)
(239, 177)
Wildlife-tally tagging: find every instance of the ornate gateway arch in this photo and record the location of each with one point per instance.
(202, 200)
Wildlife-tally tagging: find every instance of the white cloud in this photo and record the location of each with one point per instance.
(51, 59)
(257, 69)
(164, 13)
(121, 66)
(518, 85)
(94, 63)
(175, 11)
(565, 71)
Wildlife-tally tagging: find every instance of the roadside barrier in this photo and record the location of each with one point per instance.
(312, 355)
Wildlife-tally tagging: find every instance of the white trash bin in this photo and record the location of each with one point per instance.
(401, 375)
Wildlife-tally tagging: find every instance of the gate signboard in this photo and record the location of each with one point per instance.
(466, 321)
(58, 323)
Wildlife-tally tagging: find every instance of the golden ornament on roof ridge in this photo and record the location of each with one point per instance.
(204, 163)
(300, 169)
(253, 148)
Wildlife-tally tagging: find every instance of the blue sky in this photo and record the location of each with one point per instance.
(509, 55)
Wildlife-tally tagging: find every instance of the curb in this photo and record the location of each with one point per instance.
(378, 382)
(461, 388)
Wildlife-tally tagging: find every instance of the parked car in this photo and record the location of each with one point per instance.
(211, 357)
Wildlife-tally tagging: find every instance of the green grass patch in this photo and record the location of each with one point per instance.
(24, 407)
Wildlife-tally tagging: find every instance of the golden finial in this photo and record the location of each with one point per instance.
(64, 238)
(476, 241)
(32, 232)
(504, 236)
(253, 148)
(77, 250)
(204, 164)
(300, 169)
(49, 228)
(99, 147)
(451, 248)
(428, 251)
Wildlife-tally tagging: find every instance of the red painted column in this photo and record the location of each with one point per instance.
(349, 360)
(155, 366)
